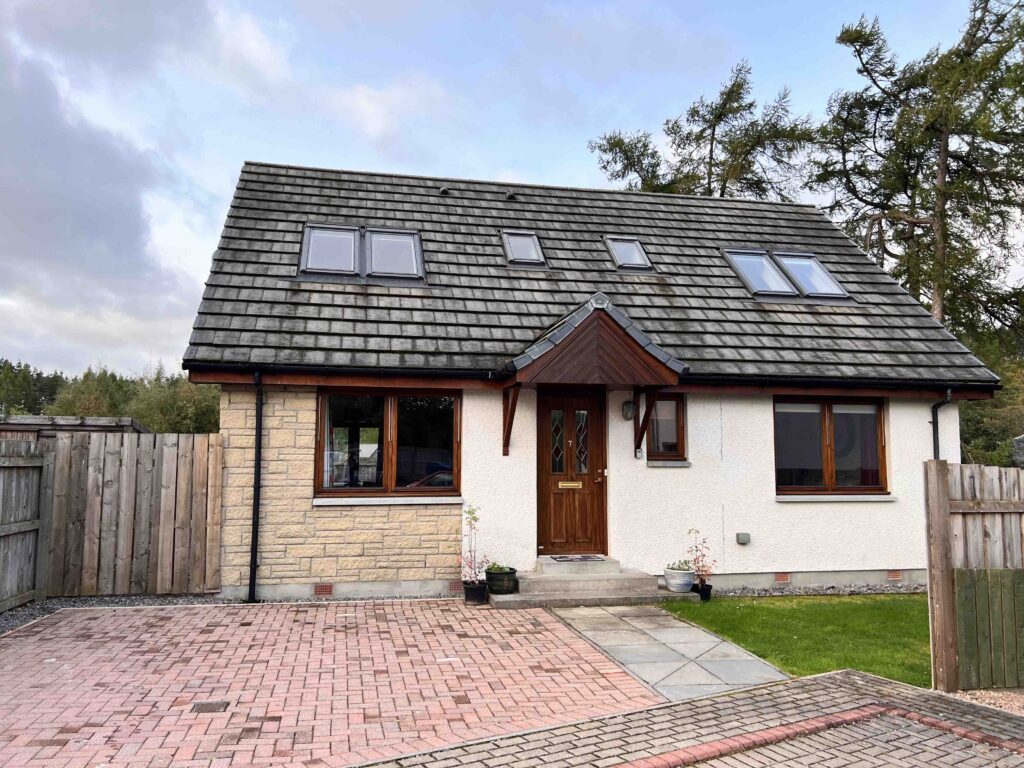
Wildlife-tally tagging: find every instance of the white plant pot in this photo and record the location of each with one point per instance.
(679, 581)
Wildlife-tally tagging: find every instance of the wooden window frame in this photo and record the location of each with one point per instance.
(390, 444)
(828, 445)
(680, 455)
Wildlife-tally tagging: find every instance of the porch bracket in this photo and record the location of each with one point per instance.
(640, 427)
(509, 400)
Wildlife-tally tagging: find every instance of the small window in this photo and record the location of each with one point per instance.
(426, 439)
(522, 248)
(829, 447)
(390, 442)
(627, 253)
(331, 250)
(665, 431)
(759, 273)
(393, 253)
(354, 442)
(807, 272)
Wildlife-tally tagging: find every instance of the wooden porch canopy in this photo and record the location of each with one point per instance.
(595, 344)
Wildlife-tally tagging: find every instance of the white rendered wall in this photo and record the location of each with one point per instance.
(504, 488)
(729, 488)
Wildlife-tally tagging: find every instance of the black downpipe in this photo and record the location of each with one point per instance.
(935, 420)
(256, 483)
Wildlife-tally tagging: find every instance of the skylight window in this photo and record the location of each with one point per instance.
(393, 253)
(760, 274)
(808, 274)
(331, 250)
(362, 252)
(522, 248)
(627, 253)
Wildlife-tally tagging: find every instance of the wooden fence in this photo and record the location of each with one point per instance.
(134, 514)
(26, 489)
(975, 575)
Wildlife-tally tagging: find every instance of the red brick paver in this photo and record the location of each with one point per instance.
(835, 720)
(305, 684)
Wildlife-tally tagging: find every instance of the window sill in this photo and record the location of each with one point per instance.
(383, 501)
(818, 498)
(667, 463)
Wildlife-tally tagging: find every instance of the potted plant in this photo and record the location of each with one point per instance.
(679, 576)
(474, 586)
(703, 565)
(501, 579)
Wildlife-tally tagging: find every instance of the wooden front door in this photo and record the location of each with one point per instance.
(571, 473)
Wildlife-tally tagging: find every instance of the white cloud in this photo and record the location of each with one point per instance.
(246, 58)
(381, 113)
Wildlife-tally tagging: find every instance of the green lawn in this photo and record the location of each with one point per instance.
(883, 634)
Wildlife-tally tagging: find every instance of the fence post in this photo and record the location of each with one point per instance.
(941, 610)
(45, 516)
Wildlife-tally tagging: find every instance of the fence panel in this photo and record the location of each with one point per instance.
(975, 575)
(132, 514)
(26, 497)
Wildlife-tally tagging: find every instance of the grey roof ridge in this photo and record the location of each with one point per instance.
(563, 327)
(527, 185)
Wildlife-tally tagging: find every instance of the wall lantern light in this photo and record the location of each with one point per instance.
(628, 410)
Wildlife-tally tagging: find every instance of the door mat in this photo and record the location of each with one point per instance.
(576, 558)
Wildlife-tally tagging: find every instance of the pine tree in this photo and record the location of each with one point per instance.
(721, 147)
(925, 164)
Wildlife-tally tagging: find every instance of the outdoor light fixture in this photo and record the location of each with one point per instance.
(628, 410)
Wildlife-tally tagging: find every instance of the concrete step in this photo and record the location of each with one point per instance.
(576, 599)
(547, 565)
(623, 582)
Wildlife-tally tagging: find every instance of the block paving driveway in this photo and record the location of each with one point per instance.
(439, 684)
(339, 681)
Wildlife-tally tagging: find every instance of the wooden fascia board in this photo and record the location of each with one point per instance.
(659, 373)
(509, 401)
(345, 380)
(770, 389)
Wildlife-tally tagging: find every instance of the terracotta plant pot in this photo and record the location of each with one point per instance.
(502, 582)
(475, 592)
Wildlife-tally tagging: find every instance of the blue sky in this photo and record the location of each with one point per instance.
(126, 122)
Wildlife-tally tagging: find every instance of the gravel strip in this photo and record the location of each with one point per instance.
(23, 614)
(828, 589)
(1009, 700)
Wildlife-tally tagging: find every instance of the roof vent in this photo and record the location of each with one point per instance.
(444, 191)
(511, 196)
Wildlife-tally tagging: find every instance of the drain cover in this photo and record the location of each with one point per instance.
(210, 706)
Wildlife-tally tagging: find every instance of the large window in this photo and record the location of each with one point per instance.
(666, 438)
(362, 252)
(826, 446)
(388, 442)
(784, 274)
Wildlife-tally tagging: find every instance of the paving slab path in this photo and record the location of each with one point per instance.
(678, 659)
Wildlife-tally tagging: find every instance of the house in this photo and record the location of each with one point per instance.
(597, 371)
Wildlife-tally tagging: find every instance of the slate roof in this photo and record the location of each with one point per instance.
(475, 314)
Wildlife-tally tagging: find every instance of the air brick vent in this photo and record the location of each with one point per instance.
(894, 575)
(782, 577)
(455, 587)
(323, 590)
